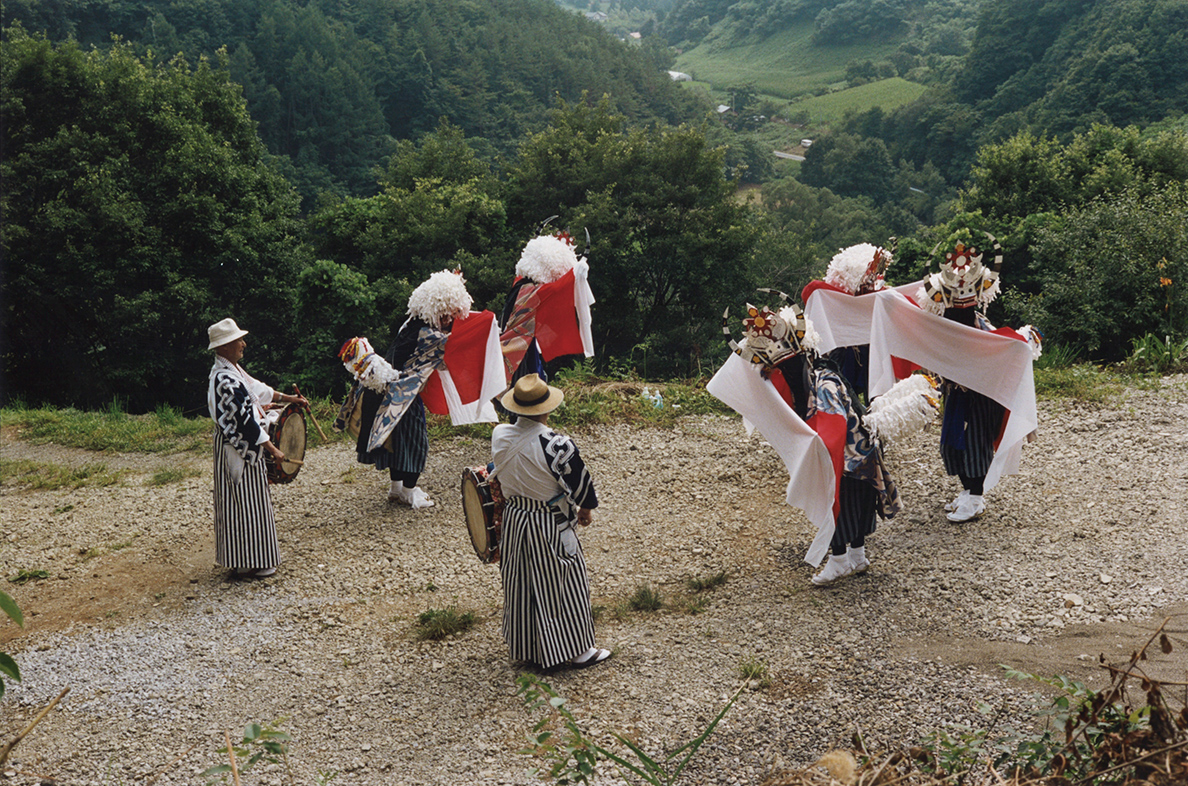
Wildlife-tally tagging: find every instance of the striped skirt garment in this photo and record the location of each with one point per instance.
(409, 441)
(245, 525)
(856, 513)
(546, 592)
(975, 420)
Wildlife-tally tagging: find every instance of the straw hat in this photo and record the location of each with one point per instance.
(224, 332)
(532, 396)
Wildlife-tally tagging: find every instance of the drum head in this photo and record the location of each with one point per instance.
(289, 438)
(476, 503)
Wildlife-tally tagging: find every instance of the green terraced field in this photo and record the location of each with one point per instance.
(886, 93)
(785, 65)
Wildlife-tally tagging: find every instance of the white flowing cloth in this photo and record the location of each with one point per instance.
(583, 298)
(1001, 367)
(844, 320)
(811, 484)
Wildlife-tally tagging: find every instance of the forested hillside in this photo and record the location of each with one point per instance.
(302, 166)
(332, 84)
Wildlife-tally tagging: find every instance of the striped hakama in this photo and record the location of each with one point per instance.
(856, 516)
(972, 423)
(245, 525)
(409, 440)
(546, 593)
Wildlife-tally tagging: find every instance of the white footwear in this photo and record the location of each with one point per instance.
(970, 508)
(418, 499)
(396, 491)
(858, 561)
(836, 568)
(951, 506)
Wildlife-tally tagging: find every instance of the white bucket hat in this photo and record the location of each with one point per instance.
(224, 332)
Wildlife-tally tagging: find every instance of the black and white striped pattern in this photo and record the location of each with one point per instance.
(546, 592)
(856, 513)
(245, 525)
(983, 423)
(409, 441)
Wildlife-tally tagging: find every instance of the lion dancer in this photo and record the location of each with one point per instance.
(844, 324)
(547, 312)
(421, 369)
(810, 414)
(988, 389)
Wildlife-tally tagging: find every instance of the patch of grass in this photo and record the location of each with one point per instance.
(111, 429)
(45, 476)
(25, 575)
(1081, 381)
(885, 93)
(754, 670)
(646, 598)
(437, 624)
(696, 605)
(168, 475)
(440, 426)
(701, 584)
(63, 509)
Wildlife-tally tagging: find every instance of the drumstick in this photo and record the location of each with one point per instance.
(293, 461)
(321, 433)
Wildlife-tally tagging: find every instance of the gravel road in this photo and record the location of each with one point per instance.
(1085, 552)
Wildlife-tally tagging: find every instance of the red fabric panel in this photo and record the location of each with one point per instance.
(813, 286)
(556, 319)
(433, 395)
(903, 368)
(832, 431)
(781, 386)
(1008, 332)
(465, 356)
(466, 353)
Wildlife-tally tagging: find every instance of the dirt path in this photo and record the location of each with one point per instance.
(1081, 554)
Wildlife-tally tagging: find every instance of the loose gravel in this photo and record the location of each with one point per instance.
(1085, 548)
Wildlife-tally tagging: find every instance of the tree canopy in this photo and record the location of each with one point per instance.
(139, 208)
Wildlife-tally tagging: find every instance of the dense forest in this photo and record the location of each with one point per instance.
(332, 83)
(302, 164)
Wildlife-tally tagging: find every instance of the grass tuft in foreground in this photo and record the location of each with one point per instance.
(44, 476)
(437, 624)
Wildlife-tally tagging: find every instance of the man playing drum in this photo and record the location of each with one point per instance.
(245, 524)
(547, 619)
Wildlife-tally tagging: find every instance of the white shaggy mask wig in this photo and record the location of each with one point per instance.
(858, 268)
(545, 259)
(439, 297)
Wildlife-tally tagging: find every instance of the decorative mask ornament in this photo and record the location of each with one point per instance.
(771, 336)
(964, 281)
(859, 269)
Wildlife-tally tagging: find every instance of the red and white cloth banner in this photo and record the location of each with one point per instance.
(556, 314)
(471, 374)
(996, 364)
(812, 482)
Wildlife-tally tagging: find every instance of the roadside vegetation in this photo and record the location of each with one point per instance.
(591, 400)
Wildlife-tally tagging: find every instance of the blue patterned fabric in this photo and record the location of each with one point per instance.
(427, 358)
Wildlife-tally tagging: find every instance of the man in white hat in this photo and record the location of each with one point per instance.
(547, 619)
(245, 524)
